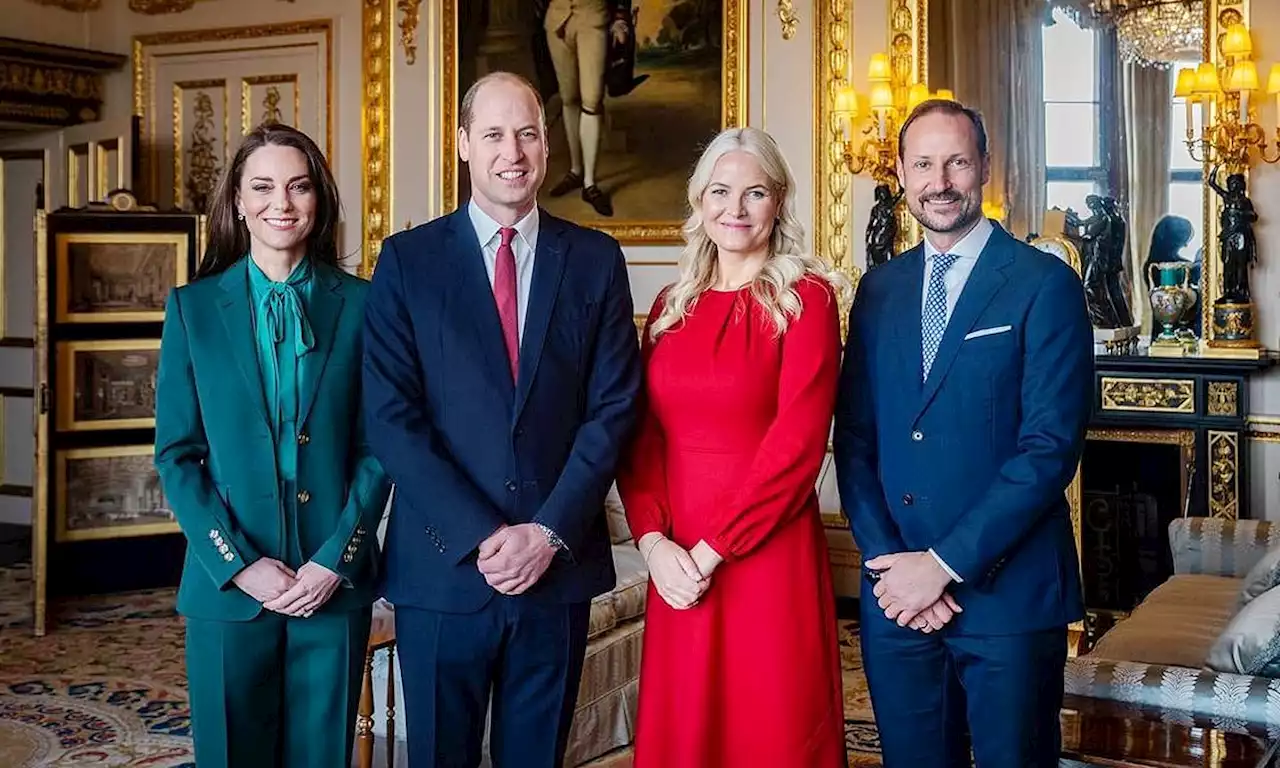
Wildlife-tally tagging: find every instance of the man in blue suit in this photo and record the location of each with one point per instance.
(965, 394)
(501, 369)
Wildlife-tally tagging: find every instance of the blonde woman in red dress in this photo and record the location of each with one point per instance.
(741, 667)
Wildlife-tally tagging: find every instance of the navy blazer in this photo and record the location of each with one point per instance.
(974, 461)
(467, 449)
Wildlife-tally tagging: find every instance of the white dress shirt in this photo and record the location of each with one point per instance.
(967, 252)
(525, 244)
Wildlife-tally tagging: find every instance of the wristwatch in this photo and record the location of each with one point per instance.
(553, 538)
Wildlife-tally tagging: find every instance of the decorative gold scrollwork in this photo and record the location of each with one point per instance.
(1223, 398)
(409, 28)
(787, 16)
(1224, 474)
(204, 170)
(1159, 395)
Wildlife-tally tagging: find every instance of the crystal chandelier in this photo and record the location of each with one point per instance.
(1150, 32)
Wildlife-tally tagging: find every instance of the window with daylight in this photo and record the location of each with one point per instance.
(1073, 139)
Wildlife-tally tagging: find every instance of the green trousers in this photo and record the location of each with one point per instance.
(276, 692)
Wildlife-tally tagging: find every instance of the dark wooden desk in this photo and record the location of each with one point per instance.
(1096, 732)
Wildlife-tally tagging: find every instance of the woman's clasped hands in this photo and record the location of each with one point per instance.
(681, 576)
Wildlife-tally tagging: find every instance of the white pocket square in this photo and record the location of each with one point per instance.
(989, 331)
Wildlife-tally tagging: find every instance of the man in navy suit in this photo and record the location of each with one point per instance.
(500, 373)
(965, 394)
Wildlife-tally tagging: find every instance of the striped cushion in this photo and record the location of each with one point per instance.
(1176, 625)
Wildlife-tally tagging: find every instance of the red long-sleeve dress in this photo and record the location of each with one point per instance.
(734, 429)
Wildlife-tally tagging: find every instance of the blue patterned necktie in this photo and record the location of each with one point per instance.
(934, 320)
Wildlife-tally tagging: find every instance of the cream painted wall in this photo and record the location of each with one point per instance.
(1264, 189)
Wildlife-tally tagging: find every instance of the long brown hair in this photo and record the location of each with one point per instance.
(229, 236)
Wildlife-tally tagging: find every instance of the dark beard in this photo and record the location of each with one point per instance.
(970, 211)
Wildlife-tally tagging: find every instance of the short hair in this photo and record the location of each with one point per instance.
(945, 107)
(467, 109)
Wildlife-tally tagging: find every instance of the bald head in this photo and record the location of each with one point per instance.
(499, 84)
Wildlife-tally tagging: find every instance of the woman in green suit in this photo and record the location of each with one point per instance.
(260, 447)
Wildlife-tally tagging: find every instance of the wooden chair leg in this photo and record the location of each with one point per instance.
(364, 717)
(391, 706)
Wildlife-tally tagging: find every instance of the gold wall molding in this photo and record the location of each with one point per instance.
(832, 40)
(375, 130)
(146, 57)
(1223, 399)
(270, 100)
(1218, 15)
(195, 178)
(409, 14)
(788, 18)
(1224, 474)
(1149, 395)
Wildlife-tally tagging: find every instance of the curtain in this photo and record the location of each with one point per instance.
(1148, 109)
(989, 53)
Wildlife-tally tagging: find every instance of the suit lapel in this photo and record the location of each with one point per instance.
(906, 323)
(548, 269)
(323, 312)
(476, 296)
(237, 318)
(983, 284)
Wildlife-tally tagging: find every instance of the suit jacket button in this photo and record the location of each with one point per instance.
(511, 486)
(908, 499)
(917, 435)
(304, 497)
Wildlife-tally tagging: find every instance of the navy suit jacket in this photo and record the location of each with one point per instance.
(974, 461)
(469, 450)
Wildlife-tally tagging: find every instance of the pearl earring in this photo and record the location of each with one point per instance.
(240, 216)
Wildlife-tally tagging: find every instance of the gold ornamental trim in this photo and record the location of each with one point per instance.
(1224, 475)
(788, 18)
(410, 11)
(1149, 395)
(1223, 398)
(375, 129)
(144, 76)
(832, 43)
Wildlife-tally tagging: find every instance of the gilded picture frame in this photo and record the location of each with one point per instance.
(107, 384)
(110, 492)
(669, 87)
(117, 277)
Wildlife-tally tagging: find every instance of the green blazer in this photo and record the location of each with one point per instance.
(217, 460)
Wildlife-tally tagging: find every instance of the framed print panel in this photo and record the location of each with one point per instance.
(117, 277)
(107, 384)
(630, 104)
(108, 493)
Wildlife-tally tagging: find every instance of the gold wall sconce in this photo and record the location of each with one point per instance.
(1227, 132)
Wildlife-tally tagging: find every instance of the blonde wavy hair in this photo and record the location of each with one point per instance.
(774, 287)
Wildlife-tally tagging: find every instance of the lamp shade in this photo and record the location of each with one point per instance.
(881, 96)
(1243, 77)
(1236, 41)
(1273, 82)
(1186, 83)
(1207, 80)
(878, 69)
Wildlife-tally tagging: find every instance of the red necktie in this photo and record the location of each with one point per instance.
(504, 293)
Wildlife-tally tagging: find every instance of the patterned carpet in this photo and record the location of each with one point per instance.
(107, 687)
